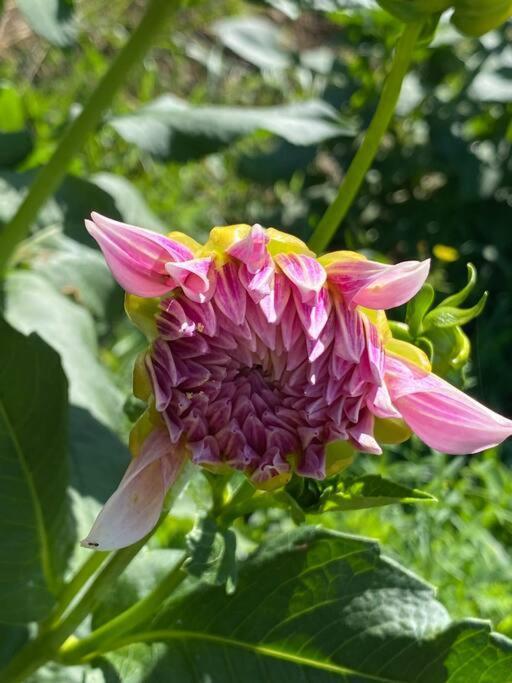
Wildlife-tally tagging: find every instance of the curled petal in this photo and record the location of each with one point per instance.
(193, 277)
(252, 250)
(441, 415)
(230, 295)
(377, 285)
(304, 272)
(137, 257)
(133, 509)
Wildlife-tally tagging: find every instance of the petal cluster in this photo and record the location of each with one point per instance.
(261, 355)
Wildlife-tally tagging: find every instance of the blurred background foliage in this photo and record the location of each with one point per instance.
(188, 146)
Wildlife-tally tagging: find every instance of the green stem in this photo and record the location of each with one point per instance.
(330, 221)
(44, 648)
(103, 638)
(72, 588)
(50, 176)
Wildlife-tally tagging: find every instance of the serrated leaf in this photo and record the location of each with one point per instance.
(51, 19)
(417, 309)
(460, 297)
(212, 554)
(448, 316)
(319, 606)
(368, 491)
(35, 516)
(170, 128)
(32, 304)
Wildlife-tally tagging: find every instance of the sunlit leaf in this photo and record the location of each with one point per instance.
(170, 128)
(314, 605)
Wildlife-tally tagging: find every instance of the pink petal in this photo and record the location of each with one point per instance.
(193, 277)
(361, 434)
(315, 314)
(349, 336)
(377, 285)
(134, 508)
(274, 303)
(252, 250)
(230, 296)
(442, 416)
(304, 272)
(136, 257)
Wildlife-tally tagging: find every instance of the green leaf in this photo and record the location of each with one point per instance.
(417, 309)
(460, 297)
(170, 128)
(51, 19)
(294, 8)
(74, 269)
(15, 139)
(448, 316)
(255, 39)
(368, 491)
(212, 554)
(35, 519)
(33, 305)
(314, 605)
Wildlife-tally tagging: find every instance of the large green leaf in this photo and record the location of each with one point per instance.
(314, 606)
(212, 554)
(35, 519)
(170, 128)
(33, 304)
(51, 19)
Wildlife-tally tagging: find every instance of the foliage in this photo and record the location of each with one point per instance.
(252, 113)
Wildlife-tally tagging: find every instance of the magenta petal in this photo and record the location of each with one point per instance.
(377, 285)
(193, 277)
(136, 257)
(442, 416)
(304, 272)
(133, 509)
(361, 434)
(230, 296)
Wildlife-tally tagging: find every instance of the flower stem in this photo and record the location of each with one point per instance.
(44, 648)
(330, 221)
(103, 638)
(50, 176)
(73, 587)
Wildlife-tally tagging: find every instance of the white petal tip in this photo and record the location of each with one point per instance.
(90, 545)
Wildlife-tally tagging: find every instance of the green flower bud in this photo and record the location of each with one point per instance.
(476, 17)
(412, 10)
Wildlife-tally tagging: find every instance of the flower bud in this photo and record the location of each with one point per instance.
(476, 17)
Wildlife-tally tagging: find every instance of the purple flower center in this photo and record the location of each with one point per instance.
(255, 394)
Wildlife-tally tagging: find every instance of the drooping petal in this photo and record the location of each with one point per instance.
(441, 415)
(377, 285)
(304, 272)
(137, 257)
(134, 508)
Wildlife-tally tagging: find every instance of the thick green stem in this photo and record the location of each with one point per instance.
(330, 221)
(72, 589)
(103, 638)
(44, 648)
(51, 175)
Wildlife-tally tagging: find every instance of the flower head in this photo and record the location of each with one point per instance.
(261, 355)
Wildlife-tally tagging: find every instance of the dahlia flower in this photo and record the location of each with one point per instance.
(261, 356)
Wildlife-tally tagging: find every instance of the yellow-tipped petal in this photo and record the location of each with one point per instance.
(142, 314)
(141, 381)
(412, 353)
(338, 456)
(282, 243)
(379, 319)
(340, 257)
(186, 240)
(221, 238)
(391, 430)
